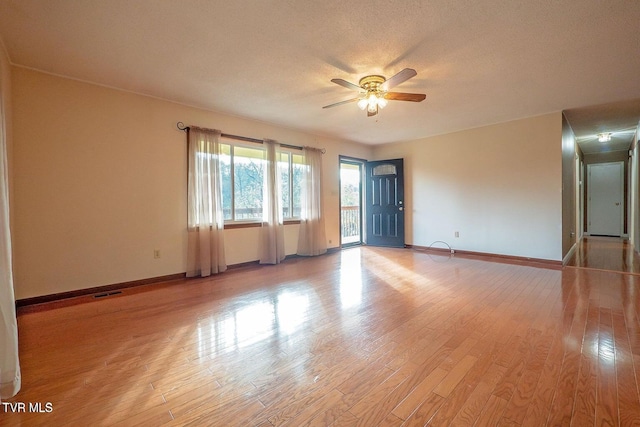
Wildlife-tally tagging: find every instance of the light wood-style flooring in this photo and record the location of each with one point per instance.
(606, 253)
(362, 337)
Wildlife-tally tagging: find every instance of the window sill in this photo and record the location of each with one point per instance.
(232, 226)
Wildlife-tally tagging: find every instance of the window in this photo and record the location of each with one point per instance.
(242, 182)
(243, 172)
(290, 168)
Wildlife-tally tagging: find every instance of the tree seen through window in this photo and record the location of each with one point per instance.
(243, 172)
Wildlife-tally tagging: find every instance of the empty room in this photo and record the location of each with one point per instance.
(276, 213)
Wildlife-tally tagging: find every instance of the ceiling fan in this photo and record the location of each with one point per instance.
(374, 91)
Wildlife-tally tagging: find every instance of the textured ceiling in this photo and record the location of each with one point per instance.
(479, 61)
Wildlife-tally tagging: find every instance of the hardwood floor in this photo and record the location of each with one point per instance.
(363, 337)
(606, 253)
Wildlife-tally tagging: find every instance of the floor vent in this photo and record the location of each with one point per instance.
(107, 294)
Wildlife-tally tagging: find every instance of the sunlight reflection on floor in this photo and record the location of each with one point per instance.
(280, 314)
(350, 278)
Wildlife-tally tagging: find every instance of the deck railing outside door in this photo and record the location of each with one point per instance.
(350, 220)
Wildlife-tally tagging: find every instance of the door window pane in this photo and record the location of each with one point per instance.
(384, 170)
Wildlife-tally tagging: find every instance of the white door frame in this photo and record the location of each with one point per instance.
(578, 198)
(360, 163)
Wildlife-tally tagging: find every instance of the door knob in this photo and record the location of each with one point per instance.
(400, 208)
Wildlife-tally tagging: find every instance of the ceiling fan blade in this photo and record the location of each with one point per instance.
(346, 84)
(341, 102)
(402, 76)
(401, 96)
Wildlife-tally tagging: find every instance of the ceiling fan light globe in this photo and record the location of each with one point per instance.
(362, 104)
(382, 102)
(373, 101)
(372, 108)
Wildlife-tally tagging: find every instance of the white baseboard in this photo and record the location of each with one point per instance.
(567, 257)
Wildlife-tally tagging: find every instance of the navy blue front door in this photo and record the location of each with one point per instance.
(385, 203)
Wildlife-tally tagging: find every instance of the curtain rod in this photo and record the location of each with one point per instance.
(182, 127)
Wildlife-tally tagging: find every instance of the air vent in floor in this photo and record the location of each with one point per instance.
(107, 294)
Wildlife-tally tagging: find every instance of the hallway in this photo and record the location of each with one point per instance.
(605, 253)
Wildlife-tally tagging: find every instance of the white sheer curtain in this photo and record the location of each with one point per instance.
(9, 362)
(205, 253)
(272, 232)
(311, 239)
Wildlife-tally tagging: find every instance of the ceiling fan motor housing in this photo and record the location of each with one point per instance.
(371, 83)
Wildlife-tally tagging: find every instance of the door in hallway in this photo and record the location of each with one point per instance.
(606, 193)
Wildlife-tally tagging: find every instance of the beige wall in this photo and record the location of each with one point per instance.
(100, 182)
(499, 186)
(569, 154)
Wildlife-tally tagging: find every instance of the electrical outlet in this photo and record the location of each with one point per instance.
(457, 234)
(156, 253)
